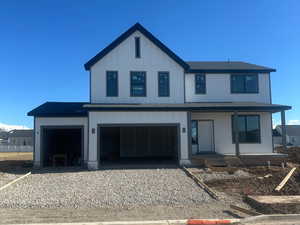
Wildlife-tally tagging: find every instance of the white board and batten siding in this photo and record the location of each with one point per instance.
(59, 121)
(223, 133)
(218, 89)
(98, 118)
(152, 60)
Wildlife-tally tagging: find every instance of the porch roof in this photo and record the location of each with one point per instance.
(203, 106)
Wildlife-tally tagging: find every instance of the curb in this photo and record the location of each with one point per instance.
(152, 222)
(273, 217)
(211, 221)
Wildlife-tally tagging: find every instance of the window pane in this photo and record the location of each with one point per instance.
(242, 128)
(138, 84)
(163, 84)
(249, 130)
(200, 85)
(251, 82)
(137, 47)
(194, 132)
(112, 83)
(237, 84)
(253, 134)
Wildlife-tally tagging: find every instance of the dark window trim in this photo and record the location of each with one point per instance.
(259, 128)
(159, 72)
(196, 92)
(131, 95)
(137, 45)
(107, 83)
(244, 92)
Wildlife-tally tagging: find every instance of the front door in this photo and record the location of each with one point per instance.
(205, 136)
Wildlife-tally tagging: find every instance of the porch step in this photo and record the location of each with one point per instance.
(209, 162)
(223, 160)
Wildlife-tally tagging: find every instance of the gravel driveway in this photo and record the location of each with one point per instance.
(105, 189)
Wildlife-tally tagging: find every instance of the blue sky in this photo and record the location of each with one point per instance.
(44, 44)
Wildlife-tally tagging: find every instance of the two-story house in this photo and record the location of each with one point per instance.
(148, 104)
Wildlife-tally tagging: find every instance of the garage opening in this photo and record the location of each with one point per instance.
(138, 144)
(62, 146)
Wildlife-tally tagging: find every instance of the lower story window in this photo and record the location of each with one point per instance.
(249, 128)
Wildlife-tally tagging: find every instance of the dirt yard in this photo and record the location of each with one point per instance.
(261, 180)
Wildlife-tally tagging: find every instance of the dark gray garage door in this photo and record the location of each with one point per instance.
(139, 142)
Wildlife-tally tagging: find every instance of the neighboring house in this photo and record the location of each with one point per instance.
(292, 134)
(277, 139)
(20, 137)
(3, 137)
(148, 103)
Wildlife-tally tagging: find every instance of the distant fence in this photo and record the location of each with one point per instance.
(16, 148)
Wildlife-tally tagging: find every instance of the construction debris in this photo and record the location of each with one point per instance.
(246, 211)
(283, 182)
(14, 181)
(275, 204)
(201, 184)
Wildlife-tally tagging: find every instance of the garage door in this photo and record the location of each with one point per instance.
(139, 142)
(62, 146)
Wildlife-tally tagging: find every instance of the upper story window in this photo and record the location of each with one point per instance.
(112, 83)
(163, 84)
(249, 128)
(200, 83)
(138, 84)
(244, 83)
(137, 47)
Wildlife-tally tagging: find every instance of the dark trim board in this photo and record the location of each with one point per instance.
(177, 125)
(189, 133)
(229, 71)
(42, 130)
(192, 109)
(34, 136)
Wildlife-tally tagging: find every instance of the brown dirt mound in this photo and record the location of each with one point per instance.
(260, 186)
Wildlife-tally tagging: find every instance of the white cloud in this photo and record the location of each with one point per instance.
(8, 127)
(293, 122)
(275, 123)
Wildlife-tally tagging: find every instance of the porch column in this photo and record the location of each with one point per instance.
(283, 129)
(236, 134)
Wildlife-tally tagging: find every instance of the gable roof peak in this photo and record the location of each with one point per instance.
(124, 36)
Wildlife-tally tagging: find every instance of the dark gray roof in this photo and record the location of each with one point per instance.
(21, 133)
(62, 109)
(292, 130)
(80, 109)
(223, 66)
(201, 106)
(196, 66)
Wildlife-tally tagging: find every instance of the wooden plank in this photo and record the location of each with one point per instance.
(246, 211)
(273, 199)
(14, 181)
(285, 180)
(201, 184)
